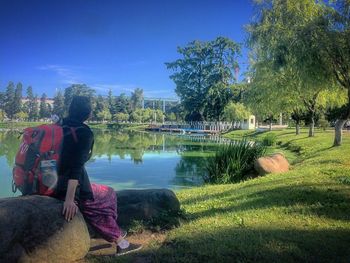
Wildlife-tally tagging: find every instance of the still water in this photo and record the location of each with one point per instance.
(130, 160)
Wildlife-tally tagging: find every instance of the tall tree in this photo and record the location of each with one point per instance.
(44, 110)
(332, 33)
(122, 104)
(58, 104)
(136, 99)
(31, 104)
(18, 98)
(111, 103)
(202, 76)
(101, 111)
(2, 101)
(10, 100)
(283, 37)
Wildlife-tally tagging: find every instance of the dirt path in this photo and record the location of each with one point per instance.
(103, 251)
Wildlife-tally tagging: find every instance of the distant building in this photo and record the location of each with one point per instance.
(48, 101)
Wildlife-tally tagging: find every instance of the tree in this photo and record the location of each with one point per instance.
(122, 103)
(44, 110)
(136, 99)
(21, 115)
(203, 75)
(284, 36)
(101, 109)
(111, 103)
(332, 32)
(10, 100)
(18, 98)
(31, 105)
(2, 101)
(137, 116)
(2, 115)
(236, 112)
(121, 117)
(171, 116)
(104, 115)
(58, 104)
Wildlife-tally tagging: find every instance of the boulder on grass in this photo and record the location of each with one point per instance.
(32, 229)
(275, 163)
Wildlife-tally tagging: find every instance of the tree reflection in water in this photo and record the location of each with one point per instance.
(134, 145)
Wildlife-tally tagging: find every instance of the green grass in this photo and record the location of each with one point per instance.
(299, 216)
(22, 124)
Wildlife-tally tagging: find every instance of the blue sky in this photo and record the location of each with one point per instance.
(122, 45)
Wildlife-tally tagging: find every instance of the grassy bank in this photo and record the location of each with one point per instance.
(299, 216)
(101, 126)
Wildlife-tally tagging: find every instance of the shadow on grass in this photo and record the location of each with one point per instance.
(252, 245)
(302, 200)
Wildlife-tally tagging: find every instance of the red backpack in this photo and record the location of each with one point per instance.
(37, 160)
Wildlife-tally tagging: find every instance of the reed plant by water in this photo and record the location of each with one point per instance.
(233, 162)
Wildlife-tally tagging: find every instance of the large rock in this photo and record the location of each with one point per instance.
(32, 229)
(145, 205)
(275, 163)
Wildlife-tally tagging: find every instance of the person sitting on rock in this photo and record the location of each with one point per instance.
(96, 202)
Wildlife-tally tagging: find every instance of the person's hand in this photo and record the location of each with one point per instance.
(69, 210)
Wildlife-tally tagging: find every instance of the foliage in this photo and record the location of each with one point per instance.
(9, 106)
(136, 98)
(44, 111)
(32, 105)
(203, 75)
(21, 116)
(305, 45)
(235, 112)
(17, 107)
(2, 115)
(58, 104)
(171, 117)
(269, 139)
(233, 163)
(120, 117)
(122, 104)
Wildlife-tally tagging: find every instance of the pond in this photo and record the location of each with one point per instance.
(131, 160)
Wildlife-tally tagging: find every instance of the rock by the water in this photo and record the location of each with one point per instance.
(146, 204)
(275, 163)
(32, 229)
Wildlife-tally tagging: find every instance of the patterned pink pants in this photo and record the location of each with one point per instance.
(102, 212)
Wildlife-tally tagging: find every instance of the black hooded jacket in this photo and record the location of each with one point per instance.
(76, 151)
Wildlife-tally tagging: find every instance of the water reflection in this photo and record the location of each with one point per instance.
(127, 160)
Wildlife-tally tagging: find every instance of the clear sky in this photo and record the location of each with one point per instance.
(117, 44)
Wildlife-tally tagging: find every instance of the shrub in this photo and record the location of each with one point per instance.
(233, 162)
(269, 140)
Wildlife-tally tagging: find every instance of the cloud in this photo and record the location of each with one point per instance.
(67, 74)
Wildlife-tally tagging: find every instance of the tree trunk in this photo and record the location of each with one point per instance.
(338, 132)
(297, 128)
(312, 127)
(270, 125)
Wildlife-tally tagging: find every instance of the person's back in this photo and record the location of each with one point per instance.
(96, 202)
(76, 151)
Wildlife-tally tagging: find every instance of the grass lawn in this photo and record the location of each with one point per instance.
(299, 216)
